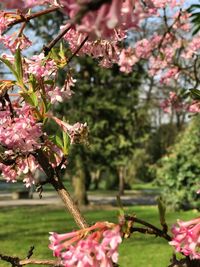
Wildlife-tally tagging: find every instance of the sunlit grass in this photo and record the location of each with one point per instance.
(22, 227)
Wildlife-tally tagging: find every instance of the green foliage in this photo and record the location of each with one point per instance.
(179, 170)
(138, 166)
(195, 15)
(161, 139)
(109, 102)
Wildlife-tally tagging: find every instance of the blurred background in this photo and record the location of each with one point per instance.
(134, 150)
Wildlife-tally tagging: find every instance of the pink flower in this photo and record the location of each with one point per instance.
(186, 238)
(170, 75)
(23, 4)
(194, 107)
(127, 59)
(20, 133)
(108, 17)
(40, 66)
(173, 102)
(105, 50)
(23, 166)
(90, 247)
(62, 94)
(13, 43)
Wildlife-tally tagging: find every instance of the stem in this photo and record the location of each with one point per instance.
(61, 190)
(69, 203)
(48, 48)
(40, 262)
(27, 18)
(78, 49)
(156, 230)
(17, 262)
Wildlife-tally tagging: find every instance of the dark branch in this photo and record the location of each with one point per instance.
(27, 18)
(156, 231)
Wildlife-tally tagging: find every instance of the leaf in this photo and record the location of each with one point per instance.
(162, 211)
(195, 93)
(18, 65)
(27, 98)
(34, 98)
(61, 52)
(49, 82)
(66, 143)
(58, 140)
(10, 66)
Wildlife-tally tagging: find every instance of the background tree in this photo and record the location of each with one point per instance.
(109, 102)
(178, 172)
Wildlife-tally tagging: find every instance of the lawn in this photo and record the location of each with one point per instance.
(22, 227)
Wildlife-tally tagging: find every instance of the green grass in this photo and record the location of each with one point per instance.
(22, 227)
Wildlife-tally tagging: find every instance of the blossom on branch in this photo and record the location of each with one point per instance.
(90, 247)
(186, 238)
(23, 4)
(20, 133)
(172, 103)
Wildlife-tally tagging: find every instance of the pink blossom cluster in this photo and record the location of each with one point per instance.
(23, 4)
(117, 14)
(19, 136)
(186, 238)
(24, 166)
(5, 19)
(21, 132)
(173, 102)
(58, 94)
(194, 107)
(13, 43)
(40, 66)
(193, 48)
(106, 51)
(91, 247)
(127, 59)
(163, 3)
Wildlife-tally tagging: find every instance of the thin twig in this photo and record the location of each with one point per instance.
(47, 48)
(78, 49)
(54, 263)
(156, 230)
(27, 18)
(17, 262)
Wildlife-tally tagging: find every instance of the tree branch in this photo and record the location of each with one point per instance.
(84, 9)
(47, 48)
(56, 182)
(154, 229)
(17, 262)
(78, 49)
(27, 18)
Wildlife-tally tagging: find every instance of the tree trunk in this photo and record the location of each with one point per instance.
(121, 180)
(80, 193)
(96, 179)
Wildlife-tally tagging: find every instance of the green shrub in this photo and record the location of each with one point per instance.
(178, 172)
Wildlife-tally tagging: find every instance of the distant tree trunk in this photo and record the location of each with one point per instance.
(80, 193)
(96, 178)
(121, 180)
